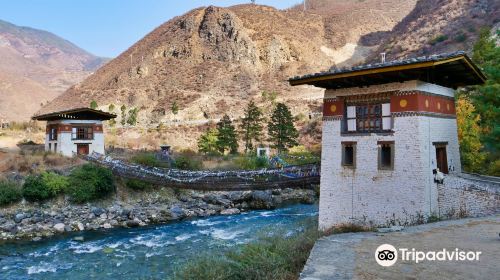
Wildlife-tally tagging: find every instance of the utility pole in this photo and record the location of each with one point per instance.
(305, 7)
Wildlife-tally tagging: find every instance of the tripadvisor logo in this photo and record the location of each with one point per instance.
(387, 255)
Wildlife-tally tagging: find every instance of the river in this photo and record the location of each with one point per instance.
(150, 252)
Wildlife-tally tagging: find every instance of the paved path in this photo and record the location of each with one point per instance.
(352, 255)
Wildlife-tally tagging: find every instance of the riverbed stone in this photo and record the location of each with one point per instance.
(19, 217)
(230, 211)
(80, 226)
(107, 226)
(59, 227)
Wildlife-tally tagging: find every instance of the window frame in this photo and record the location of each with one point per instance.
(380, 145)
(82, 132)
(369, 117)
(343, 154)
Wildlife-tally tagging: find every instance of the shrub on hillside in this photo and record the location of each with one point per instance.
(187, 163)
(251, 162)
(35, 189)
(56, 183)
(137, 185)
(10, 192)
(89, 182)
(148, 159)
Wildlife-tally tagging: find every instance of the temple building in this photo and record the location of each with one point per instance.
(386, 128)
(77, 131)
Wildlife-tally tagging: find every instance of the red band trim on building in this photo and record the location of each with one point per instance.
(422, 102)
(333, 107)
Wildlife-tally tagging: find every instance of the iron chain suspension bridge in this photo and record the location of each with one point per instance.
(269, 178)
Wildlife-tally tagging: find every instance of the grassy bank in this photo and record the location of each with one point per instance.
(271, 257)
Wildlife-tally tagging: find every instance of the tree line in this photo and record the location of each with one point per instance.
(478, 111)
(281, 131)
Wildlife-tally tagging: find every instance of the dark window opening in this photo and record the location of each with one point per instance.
(53, 133)
(349, 155)
(386, 156)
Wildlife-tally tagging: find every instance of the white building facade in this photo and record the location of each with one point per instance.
(383, 136)
(75, 132)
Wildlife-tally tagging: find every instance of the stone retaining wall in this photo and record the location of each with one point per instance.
(460, 197)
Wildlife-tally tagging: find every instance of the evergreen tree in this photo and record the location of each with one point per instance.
(251, 125)
(207, 143)
(282, 132)
(93, 105)
(111, 107)
(226, 136)
(132, 116)
(123, 109)
(174, 108)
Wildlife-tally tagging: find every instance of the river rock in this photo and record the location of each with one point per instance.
(262, 200)
(80, 226)
(59, 227)
(230, 211)
(132, 223)
(107, 226)
(97, 211)
(19, 217)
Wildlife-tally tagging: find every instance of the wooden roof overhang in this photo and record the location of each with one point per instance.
(450, 70)
(76, 114)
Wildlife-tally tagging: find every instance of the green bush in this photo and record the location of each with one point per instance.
(89, 182)
(251, 162)
(274, 257)
(137, 185)
(148, 159)
(56, 184)
(10, 192)
(187, 163)
(35, 189)
(438, 39)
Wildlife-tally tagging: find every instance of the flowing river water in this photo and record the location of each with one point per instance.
(145, 253)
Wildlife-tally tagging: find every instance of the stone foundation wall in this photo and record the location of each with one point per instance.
(460, 197)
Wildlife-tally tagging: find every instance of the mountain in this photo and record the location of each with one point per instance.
(35, 67)
(212, 60)
(435, 26)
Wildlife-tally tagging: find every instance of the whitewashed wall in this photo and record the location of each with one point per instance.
(67, 147)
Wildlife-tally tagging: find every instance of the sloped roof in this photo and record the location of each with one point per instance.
(450, 70)
(76, 114)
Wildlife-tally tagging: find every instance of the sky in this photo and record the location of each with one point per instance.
(106, 27)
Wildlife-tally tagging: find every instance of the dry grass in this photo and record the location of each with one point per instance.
(346, 228)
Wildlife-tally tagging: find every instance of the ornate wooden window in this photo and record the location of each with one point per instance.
(368, 117)
(82, 133)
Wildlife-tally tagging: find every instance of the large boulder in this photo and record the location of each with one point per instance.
(261, 200)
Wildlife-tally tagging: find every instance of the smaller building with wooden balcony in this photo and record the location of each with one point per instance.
(76, 131)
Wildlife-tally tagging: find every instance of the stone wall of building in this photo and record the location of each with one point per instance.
(460, 197)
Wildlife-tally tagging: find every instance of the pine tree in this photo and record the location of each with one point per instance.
(123, 109)
(93, 105)
(226, 136)
(282, 132)
(207, 143)
(174, 108)
(251, 126)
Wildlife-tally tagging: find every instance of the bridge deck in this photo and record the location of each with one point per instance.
(287, 177)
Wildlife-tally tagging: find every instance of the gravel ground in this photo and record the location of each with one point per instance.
(352, 256)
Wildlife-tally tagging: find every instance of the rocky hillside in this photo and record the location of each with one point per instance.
(35, 67)
(435, 27)
(213, 60)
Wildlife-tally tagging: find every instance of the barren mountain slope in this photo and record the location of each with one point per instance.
(213, 60)
(36, 66)
(436, 26)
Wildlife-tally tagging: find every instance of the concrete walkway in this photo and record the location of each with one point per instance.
(352, 255)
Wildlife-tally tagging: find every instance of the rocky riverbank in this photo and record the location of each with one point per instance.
(36, 221)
